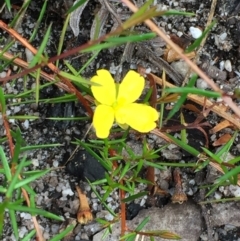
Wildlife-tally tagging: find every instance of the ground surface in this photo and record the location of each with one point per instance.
(56, 191)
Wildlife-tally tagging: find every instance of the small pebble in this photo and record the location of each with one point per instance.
(217, 195)
(109, 217)
(235, 190)
(3, 74)
(228, 65)
(195, 32)
(67, 191)
(190, 192)
(223, 36)
(221, 65)
(201, 84)
(25, 215)
(93, 195)
(25, 124)
(22, 232)
(192, 182)
(55, 163)
(29, 55)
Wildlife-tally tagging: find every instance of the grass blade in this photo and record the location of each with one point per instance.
(182, 99)
(7, 170)
(38, 57)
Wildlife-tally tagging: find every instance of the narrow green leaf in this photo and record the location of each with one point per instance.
(15, 179)
(175, 12)
(234, 160)
(37, 84)
(20, 14)
(127, 24)
(38, 57)
(3, 206)
(185, 146)
(100, 198)
(23, 117)
(29, 235)
(154, 164)
(64, 233)
(142, 224)
(212, 155)
(131, 38)
(188, 90)
(226, 148)
(228, 175)
(8, 4)
(12, 206)
(129, 237)
(106, 165)
(40, 18)
(77, 79)
(19, 143)
(133, 197)
(14, 224)
(7, 170)
(2, 101)
(116, 41)
(124, 170)
(139, 166)
(62, 37)
(183, 97)
(31, 179)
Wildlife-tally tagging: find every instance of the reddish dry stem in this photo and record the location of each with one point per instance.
(150, 177)
(123, 210)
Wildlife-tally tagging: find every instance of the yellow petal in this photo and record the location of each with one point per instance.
(103, 120)
(138, 116)
(131, 87)
(105, 93)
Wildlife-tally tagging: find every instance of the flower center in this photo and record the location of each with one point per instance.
(119, 104)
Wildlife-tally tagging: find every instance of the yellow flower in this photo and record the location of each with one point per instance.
(116, 103)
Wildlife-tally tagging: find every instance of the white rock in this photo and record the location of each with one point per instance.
(221, 65)
(201, 84)
(217, 195)
(3, 74)
(29, 55)
(195, 32)
(181, 67)
(190, 192)
(223, 36)
(192, 182)
(109, 217)
(67, 191)
(235, 190)
(35, 162)
(228, 65)
(55, 163)
(22, 232)
(25, 124)
(17, 109)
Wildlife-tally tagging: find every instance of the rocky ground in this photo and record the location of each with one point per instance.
(56, 192)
